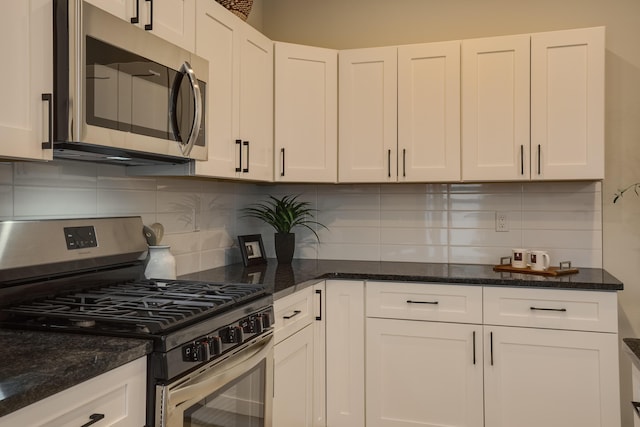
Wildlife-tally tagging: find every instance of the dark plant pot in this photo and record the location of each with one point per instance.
(285, 246)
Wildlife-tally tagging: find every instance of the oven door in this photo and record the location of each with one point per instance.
(236, 392)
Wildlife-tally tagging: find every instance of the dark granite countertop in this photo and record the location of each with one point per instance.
(286, 279)
(35, 365)
(633, 350)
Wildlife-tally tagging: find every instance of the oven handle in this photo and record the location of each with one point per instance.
(186, 70)
(209, 383)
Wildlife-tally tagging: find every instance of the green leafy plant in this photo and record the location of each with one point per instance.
(619, 193)
(283, 214)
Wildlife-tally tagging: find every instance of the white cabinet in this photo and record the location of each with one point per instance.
(173, 20)
(239, 93)
(400, 113)
(116, 398)
(298, 394)
(573, 374)
(306, 114)
(635, 382)
(533, 106)
(26, 107)
(567, 104)
(429, 112)
(367, 103)
(495, 108)
(423, 373)
(345, 333)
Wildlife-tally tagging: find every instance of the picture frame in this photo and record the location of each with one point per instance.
(252, 249)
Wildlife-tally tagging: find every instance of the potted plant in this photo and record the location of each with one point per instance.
(283, 214)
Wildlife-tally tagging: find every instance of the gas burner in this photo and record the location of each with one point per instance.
(83, 323)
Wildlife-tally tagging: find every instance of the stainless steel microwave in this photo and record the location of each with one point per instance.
(123, 95)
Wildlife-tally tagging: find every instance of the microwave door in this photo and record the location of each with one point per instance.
(186, 108)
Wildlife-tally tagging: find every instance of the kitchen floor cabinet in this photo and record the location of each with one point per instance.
(26, 108)
(298, 395)
(422, 369)
(551, 378)
(553, 349)
(173, 20)
(119, 396)
(345, 331)
(306, 114)
(533, 106)
(240, 95)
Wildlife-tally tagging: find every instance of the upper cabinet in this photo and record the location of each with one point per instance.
(368, 115)
(26, 107)
(306, 114)
(429, 112)
(173, 20)
(495, 108)
(400, 113)
(239, 95)
(533, 106)
(567, 104)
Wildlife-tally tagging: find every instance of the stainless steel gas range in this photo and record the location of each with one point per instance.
(211, 363)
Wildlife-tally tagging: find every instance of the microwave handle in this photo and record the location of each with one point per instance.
(186, 70)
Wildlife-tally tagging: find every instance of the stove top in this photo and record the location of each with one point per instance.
(141, 307)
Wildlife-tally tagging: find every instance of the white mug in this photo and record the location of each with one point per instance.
(519, 258)
(540, 260)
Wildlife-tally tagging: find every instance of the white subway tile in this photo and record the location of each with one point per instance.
(483, 219)
(414, 236)
(6, 202)
(58, 174)
(349, 252)
(356, 201)
(553, 201)
(6, 173)
(485, 202)
(567, 220)
(487, 188)
(477, 254)
(354, 218)
(413, 188)
(414, 253)
(566, 239)
(52, 202)
(416, 219)
(115, 177)
(484, 237)
(355, 235)
(125, 202)
(409, 201)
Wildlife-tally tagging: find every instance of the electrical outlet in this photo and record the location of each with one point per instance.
(502, 221)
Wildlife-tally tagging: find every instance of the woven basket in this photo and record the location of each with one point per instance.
(240, 8)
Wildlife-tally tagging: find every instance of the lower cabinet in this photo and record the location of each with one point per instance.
(299, 370)
(432, 354)
(116, 398)
(573, 375)
(423, 374)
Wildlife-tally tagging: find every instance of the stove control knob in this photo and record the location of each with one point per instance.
(266, 320)
(258, 325)
(196, 352)
(215, 346)
(232, 335)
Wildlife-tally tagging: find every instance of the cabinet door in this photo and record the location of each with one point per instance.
(26, 28)
(368, 119)
(495, 108)
(256, 104)
(173, 20)
(345, 353)
(293, 380)
(429, 112)
(319, 356)
(306, 114)
(567, 104)
(423, 374)
(551, 378)
(217, 41)
(118, 394)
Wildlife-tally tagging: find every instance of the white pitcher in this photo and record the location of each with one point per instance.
(162, 263)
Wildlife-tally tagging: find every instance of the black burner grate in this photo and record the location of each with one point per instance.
(149, 306)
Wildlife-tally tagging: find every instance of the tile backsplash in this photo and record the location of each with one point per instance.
(389, 222)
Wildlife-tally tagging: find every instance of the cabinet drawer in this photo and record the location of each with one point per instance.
(293, 313)
(115, 398)
(424, 301)
(551, 308)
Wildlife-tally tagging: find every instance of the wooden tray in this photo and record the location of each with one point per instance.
(551, 271)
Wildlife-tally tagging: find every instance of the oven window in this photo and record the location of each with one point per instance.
(237, 404)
